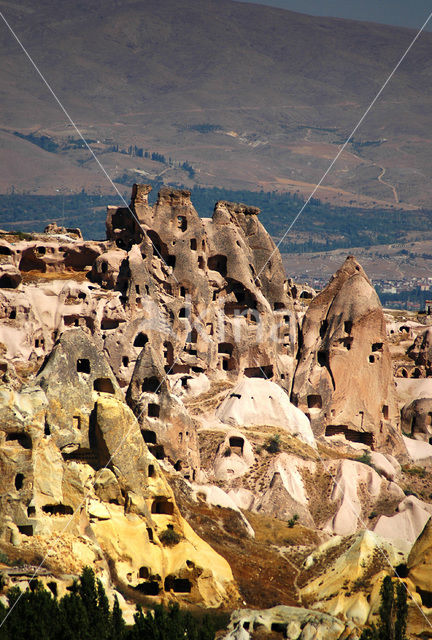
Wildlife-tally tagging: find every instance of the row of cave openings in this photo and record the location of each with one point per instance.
(410, 372)
(152, 584)
(158, 451)
(102, 385)
(346, 342)
(226, 362)
(160, 506)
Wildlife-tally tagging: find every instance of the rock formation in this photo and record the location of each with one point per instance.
(416, 419)
(174, 366)
(343, 380)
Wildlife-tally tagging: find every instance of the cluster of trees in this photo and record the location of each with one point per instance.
(323, 227)
(393, 613)
(85, 614)
(21, 212)
(205, 127)
(414, 297)
(44, 142)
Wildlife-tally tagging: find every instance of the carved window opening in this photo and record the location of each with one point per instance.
(109, 323)
(162, 505)
(141, 340)
(350, 434)
(157, 451)
(151, 385)
(236, 445)
(57, 509)
(348, 326)
(193, 244)
(168, 352)
(153, 410)
(323, 358)
(265, 372)
(323, 328)
(148, 588)
(103, 385)
(177, 585)
(83, 365)
(347, 342)
(225, 348)
(26, 529)
(144, 573)
(182, 223)
(22, 439)
(19, 480)
(314, 401)
(218, 263)
(149, 436)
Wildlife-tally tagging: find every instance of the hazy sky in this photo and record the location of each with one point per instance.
(407, 13)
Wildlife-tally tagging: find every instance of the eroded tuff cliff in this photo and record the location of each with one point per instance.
(344, 378)
(173, 371)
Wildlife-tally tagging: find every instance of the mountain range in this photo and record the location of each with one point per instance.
(226, 93)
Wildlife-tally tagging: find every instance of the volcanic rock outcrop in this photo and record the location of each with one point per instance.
(344, 380)
(162, 367)
(416, 419)
(93, 473)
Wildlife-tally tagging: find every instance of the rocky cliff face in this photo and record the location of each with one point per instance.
(344, 378)
(172, 371)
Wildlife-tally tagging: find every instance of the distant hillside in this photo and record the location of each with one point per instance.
(237, 95)
(323, 227)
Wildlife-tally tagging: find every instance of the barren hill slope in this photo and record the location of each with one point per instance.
(249, 95)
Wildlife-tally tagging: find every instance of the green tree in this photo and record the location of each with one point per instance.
(392, 614)
(118, 624)
(401, 612)
(386, 610)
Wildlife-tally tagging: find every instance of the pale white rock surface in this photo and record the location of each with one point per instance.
(254, 401)
(350, 479)
(298, 623)
(235, 456)
(409, 389)
(386, 464)
(418, 449)
(405, 526)
(243, 498)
